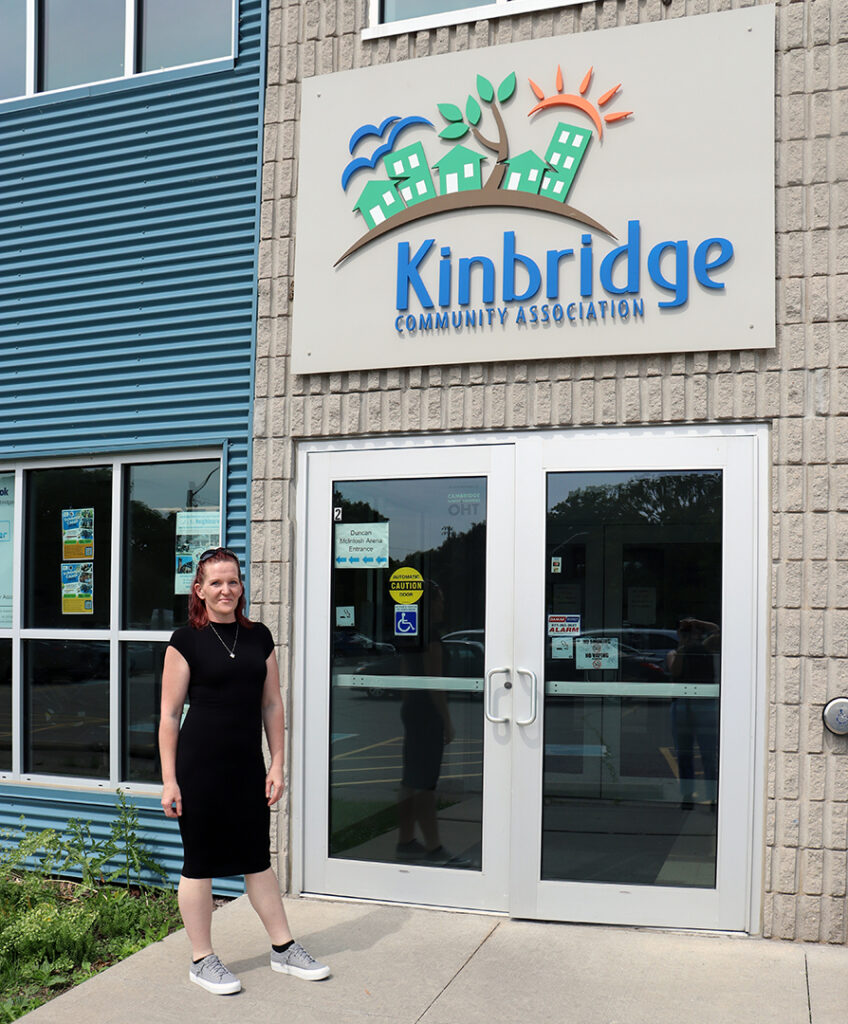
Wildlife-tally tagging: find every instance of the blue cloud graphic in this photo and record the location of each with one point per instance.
(362, 162)
(370, 129)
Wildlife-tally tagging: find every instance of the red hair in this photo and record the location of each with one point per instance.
(197, 617)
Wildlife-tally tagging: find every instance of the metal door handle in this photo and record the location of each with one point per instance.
(487, 696)
(533, 696)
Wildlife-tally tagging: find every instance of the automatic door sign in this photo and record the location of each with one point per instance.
(596, 653)
(406, 620)
(361, 546)
(563, 625)
(406, 585)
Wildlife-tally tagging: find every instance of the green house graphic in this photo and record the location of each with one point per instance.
(524, 172)
(555, 184)
(568, 145)
(408, 167)
(460, 170)
(378, 201)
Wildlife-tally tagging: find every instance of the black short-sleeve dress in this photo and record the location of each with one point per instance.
(221, 772)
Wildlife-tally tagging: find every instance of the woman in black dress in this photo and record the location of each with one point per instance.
(213, 770)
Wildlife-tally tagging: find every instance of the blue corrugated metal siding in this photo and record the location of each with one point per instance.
(128, 264)
(159, 834)
(128, 251)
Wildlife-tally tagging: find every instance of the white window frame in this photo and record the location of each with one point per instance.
(496, 9)
(114, 633)
(130, 72)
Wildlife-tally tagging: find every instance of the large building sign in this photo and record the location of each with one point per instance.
(606, 193)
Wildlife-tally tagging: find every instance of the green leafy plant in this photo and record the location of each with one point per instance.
(55, 931)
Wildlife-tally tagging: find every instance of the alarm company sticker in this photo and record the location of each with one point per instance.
(406, 585)
(564, 625)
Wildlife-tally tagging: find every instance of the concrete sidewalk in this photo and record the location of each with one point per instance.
(396, 965)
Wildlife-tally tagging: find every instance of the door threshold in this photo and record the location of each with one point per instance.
(327, 898)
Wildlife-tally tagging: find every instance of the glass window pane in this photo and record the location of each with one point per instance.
(141, 682)
(7, 546)
(172, 511)
(408, 649)
(632, 677)
(68, 554)
(175, 32)
(12, 48)
(399, 10)
(5, 705)
(66, 699)
(81, 41)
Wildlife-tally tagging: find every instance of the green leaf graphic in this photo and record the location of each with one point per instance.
(453, 131)
(507, 87)
(450, 112)
(485, 90)
(473, 111)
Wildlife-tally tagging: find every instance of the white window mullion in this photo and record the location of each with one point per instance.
(114, 625)
(130, 25)
(31, 46)
(17, 615)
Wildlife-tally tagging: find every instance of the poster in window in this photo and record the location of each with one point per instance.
(77, 533)
(7, 518)
(196, 532)
(77, 588)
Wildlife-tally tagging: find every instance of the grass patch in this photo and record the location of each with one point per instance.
(56, 932)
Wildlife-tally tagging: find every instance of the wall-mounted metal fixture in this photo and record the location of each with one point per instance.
(835, 715)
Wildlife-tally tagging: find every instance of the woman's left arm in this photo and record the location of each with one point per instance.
(273, 718)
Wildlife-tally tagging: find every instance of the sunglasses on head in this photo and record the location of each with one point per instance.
(218, 553)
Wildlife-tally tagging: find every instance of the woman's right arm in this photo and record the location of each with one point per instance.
(175, 677)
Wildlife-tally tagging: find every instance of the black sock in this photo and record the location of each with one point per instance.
(201, 959)
(283, 948)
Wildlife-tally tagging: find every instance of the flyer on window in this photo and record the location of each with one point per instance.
(77, 533)
(77, 588)
(195, 533)
(7, 518)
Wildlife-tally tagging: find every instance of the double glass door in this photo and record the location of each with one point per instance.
(529, 675)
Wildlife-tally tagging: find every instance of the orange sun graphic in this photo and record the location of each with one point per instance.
(561, 99)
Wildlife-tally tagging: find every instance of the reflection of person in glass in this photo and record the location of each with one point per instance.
(213, 770)
(427, 728)
(695, 719)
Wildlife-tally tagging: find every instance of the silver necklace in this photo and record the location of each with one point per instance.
(232, 653)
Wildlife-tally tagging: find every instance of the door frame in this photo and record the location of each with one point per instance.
(758, 434)
(486, 889)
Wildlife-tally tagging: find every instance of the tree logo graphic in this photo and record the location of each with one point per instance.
(524, 180)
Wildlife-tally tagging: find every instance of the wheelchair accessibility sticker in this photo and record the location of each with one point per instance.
(406, 620)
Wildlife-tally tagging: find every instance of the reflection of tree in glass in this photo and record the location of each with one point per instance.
(458, 565)
(357, 511)
(663, 499)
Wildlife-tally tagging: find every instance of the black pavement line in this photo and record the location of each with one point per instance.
(459, 970)
(807, 979)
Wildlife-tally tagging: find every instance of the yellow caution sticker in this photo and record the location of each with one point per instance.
(406, 585)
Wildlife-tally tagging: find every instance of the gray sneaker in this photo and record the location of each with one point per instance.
(298, 962)
(212, 975)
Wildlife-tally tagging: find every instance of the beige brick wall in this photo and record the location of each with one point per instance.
(800, 388)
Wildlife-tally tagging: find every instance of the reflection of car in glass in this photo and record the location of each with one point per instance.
(651, 644)
(349, 643)
(633, 665)
(463, 657)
